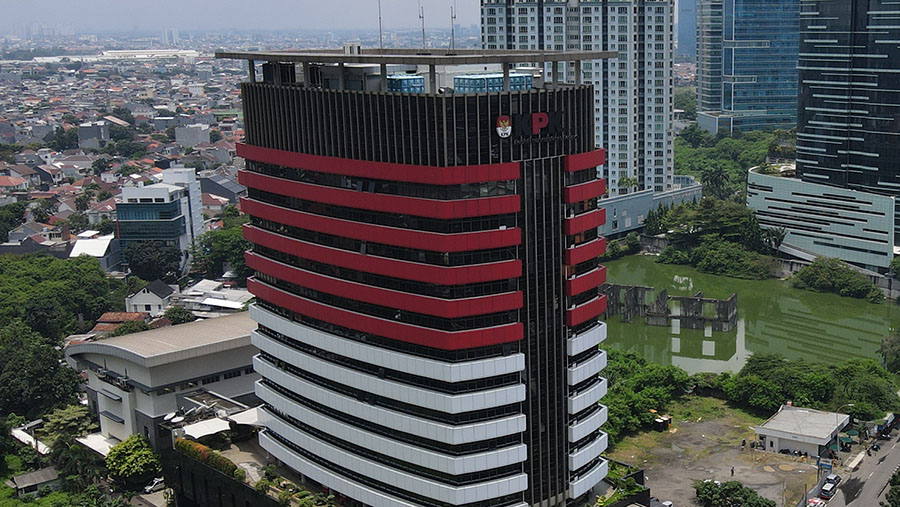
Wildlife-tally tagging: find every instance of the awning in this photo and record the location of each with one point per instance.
(249, 417)
(853, 433)
(846, 440)
(207, 427)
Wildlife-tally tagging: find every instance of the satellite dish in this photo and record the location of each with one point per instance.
(169, 417)
(178, 420)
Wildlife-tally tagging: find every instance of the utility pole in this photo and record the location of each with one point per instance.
(453, 26)
(422, 17)
(380, 31)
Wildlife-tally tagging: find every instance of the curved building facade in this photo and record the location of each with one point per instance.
(427, 281)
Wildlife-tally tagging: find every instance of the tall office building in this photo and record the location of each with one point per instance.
(632, 93)
(170, 211)
(848, 132)
(747, 64)
(426, 280)
(843, 201)
(687, 28)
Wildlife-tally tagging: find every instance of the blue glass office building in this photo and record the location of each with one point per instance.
(758, 65)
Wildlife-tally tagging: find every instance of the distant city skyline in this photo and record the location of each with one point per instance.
(119, 16)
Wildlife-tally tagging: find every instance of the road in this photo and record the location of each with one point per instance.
(866, 486)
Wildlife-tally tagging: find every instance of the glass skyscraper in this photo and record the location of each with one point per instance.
(849, 108)
(753, 64)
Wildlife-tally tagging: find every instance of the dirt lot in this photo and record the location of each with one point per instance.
(704, 443)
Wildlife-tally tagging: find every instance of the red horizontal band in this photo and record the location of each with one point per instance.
(585, 221)
(585, 282)
(422, 240)
(461, 208)
(435, 338)
(440, 275)
(584, 191)
(582, 313)
(382, 170)
(585, 251)
(438, 307)
(582, 161)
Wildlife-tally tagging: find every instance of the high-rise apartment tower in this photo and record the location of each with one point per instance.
(632, 93)
(426, 279)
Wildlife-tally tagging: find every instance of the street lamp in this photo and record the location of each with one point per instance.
(836, 414)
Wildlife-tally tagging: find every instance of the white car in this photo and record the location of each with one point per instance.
(155, 485)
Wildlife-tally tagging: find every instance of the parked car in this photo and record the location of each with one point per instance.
(828, 491)
(155, 485)
(816, 502)
(833, 479)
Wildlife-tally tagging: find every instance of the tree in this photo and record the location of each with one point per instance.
(215, 136)
(218, 247)
(103, 195)
(170, 132)
(33, 378)
(11, 216)
(106, 226)
(890, 351)
(64, 139)
(82, 202)
(123, 114)
(132, 463)
(44, 209)
(72, 421)
(77, 222)
(78, 466)
(151, 260)
(715, 180)
(100, 166)
(686, 100)
(774, 237)
(728, 494)
(179, 315)
(132, 326)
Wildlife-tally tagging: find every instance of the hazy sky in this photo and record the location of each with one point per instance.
(126, 15)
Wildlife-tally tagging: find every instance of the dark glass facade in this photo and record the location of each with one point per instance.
(428, 292)
(849, 106)
(758, 74)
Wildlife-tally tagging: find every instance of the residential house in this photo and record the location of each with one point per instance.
(155, 298)
(28, 485)
(214, 205)
(49, 175)
(103, 210)
(10, 184)
(110, 321)
(105, 249)
(221, 185)
(28, 173)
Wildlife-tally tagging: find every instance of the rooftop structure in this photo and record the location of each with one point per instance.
(801, 429)
(136, 379)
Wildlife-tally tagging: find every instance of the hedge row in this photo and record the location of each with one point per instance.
(205, 455)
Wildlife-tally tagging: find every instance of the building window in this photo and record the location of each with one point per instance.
(210, 380)
(232, 374)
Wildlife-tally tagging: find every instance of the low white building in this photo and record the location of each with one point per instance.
(135, 380)
(801, 429)
(154, 299)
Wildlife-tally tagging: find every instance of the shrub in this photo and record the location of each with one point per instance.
(206, 456)
(240, 475)
(262, 486)
(672, 255)
(832, 275)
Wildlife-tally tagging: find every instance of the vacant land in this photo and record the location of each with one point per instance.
(704, 443)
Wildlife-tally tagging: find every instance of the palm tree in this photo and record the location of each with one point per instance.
(715, 179)
(775, 237)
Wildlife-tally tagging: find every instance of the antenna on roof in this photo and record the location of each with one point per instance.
(380, 32)
(422, 17)
(453, 26)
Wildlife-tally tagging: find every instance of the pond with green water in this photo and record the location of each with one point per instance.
(773, 317)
